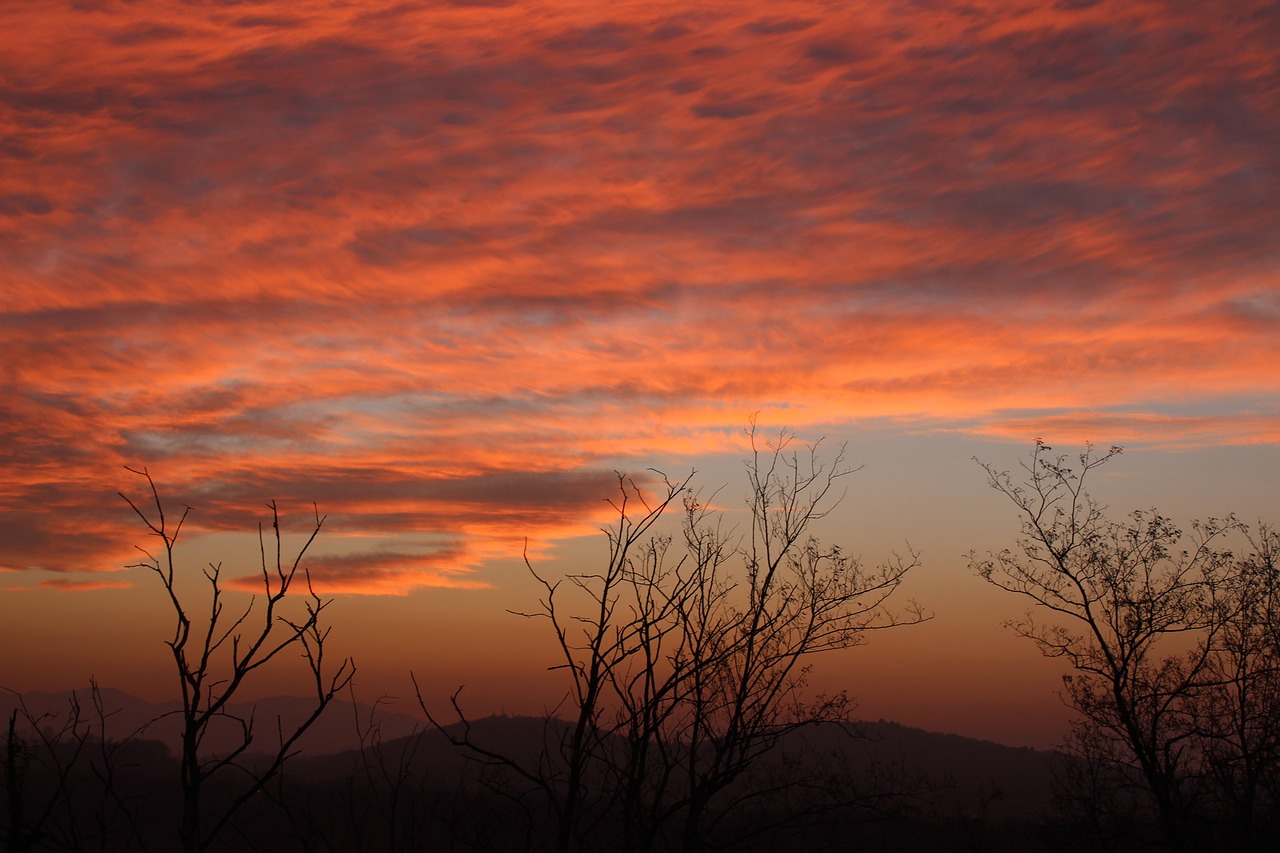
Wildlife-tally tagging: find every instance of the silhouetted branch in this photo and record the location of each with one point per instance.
(207, 687)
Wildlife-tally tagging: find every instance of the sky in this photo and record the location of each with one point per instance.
(441, 269)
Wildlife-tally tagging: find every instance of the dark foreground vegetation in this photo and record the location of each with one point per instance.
(872, 786)
(687, 723)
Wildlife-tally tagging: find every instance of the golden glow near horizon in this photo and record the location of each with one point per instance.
(442, 268)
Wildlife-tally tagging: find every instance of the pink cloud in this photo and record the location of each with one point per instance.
(86, 585)
(441, 269)
(1144, 429)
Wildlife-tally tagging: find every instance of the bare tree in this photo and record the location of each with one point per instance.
(1235, 715)
(43, 752)
(1153, 623)
(590, 655)
(688, 664)
(65, 779)
(801, 598)
(214, 653)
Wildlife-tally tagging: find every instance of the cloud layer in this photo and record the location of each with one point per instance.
(441, 268)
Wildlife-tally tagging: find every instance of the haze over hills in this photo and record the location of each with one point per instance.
(955, 772)
(338, 729)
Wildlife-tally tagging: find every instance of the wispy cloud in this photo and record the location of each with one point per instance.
(441, 268)
(1144, 429)
(83, 585)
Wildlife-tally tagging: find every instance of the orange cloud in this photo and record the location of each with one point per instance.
(85, 585)
(441, 269)
(1143, 429)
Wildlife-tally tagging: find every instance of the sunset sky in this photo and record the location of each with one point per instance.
(441, 268)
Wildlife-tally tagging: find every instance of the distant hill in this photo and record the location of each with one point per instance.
(968, 774)
(338, 729)
(374, 778)
(964, 774)
(961, 775)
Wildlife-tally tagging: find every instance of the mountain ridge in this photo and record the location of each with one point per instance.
(972, 773)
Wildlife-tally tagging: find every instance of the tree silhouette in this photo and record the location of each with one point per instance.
(689, 661)
(215, 653)
(67, 784)
(38, 775)
(1169, 635)
(1235, 715)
